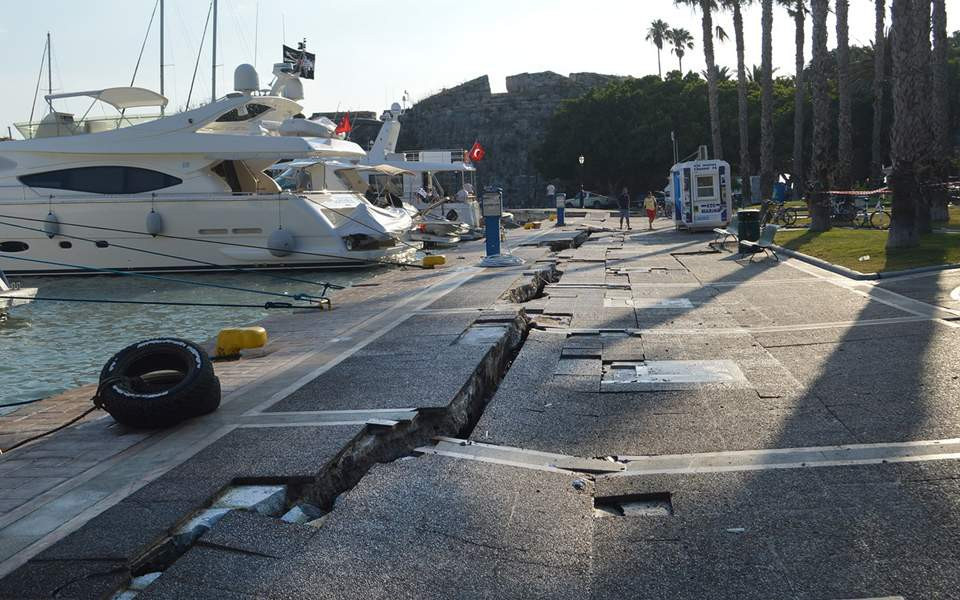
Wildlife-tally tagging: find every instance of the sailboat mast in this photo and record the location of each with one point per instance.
(161, 53)
(213, 85)
(49, 70)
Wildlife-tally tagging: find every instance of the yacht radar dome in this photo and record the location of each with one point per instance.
(245, 79)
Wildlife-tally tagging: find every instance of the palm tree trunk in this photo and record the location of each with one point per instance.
(940, 113)
(879, 82)
(659, 70)
(680, 60)
(799, 96)
(766, 105)
(921, 21)
(745, 168)
(712, 92)
(844, 118)
(820, 157)
(906, 136)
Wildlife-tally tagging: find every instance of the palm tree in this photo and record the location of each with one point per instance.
(907, 136)
(766, 103)
(879, 76)
(844, 118)
(713, 95)
(820, 158)
(940, 112)
(682, 41)
(723, 73)
(755, 74)
(798, 10)
(742, 108)
(658, 34)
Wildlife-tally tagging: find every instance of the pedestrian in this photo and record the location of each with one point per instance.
(551, 196)
(623, 203)
(650, 205)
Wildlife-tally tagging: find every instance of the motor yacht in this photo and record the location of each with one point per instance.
(186, 191)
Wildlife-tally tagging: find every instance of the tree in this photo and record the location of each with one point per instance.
(657, 33)
(766, 104)
(819, 201)
(907, 139)
(681, 40)
(706, 12)
(844, 116)
(798, 9)
(879, 76)
(940, 113)
(743, 116)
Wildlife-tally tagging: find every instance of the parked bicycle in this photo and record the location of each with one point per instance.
(876, 218)
(843, 209)
(779, 213)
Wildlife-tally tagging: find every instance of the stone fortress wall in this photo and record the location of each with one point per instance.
(510, 126)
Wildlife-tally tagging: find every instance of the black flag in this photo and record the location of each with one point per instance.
(302, 60)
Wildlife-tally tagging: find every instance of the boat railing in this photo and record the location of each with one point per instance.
(148, 197)
(430, 156)
(90, 125)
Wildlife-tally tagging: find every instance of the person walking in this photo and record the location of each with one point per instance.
(623, 203)
(551, 196)
(650, 205)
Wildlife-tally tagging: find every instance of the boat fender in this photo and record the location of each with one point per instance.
(51, 225)
(281, 242)
(434, 260)
(154, 223)
(231, 341)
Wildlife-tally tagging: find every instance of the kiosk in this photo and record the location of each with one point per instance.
(701, 193)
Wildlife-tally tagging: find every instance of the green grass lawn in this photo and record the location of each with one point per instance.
(954, 222)
(846, 246)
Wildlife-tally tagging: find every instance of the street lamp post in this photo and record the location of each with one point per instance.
(580, 160)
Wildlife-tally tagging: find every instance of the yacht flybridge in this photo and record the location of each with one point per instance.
(185, 191)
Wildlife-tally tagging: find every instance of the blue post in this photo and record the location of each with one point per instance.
(560, 211)
(493, 235)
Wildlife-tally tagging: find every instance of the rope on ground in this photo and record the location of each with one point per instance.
(265, 305)
(46, 433)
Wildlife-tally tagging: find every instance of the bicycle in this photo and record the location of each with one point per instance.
(783, 215)
(843, 209)
(878, 218)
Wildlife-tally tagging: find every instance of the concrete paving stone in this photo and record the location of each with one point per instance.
(400, 382)
(215, 570)
(666, 346)
(833, 335)
(170, 588)
(268, 453)
(936, 289)
(66, 579)
(604, 318)
(468, 529)
(246, 531)
(693, 292)
(482, 290)
(719, 268)
(802, 426)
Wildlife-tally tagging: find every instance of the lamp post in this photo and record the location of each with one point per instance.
(580, 160)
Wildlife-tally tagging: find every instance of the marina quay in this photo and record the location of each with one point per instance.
(539, 300)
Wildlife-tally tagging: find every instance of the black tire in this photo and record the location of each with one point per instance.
(880, 220)
(789, 217)
(158, 383)
(846, 212)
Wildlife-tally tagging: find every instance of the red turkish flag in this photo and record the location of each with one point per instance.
(476, 153)
(344, 126)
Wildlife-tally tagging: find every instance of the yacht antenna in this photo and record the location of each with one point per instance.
(49, 71)
(161, 54)
(36, 92)
(213, 84)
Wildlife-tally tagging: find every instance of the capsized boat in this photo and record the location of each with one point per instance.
(186, 191)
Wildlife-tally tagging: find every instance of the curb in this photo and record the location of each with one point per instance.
(857, 275)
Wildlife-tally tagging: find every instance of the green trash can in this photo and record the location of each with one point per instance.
(748, 227)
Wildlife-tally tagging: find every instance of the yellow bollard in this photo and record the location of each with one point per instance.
(231, 341)
(434, 260)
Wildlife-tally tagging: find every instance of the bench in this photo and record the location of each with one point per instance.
(764, 244)
(722, 233)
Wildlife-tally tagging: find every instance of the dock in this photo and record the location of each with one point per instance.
(629, 414)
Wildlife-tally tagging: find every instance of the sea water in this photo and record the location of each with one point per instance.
(48, 347)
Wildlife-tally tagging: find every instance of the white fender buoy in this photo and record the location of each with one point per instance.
(154, 223)
(51, 225)
(281, 242)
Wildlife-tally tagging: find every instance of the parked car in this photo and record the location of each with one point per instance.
(590, 200)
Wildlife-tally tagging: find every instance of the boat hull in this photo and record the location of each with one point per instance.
(199, 234)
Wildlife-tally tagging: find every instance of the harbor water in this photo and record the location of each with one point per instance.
(48, 347)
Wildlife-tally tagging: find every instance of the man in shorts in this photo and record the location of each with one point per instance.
(623, 203)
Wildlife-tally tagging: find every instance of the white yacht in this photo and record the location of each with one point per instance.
(428, 179)
(185, 191)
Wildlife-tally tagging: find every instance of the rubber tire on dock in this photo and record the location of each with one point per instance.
(158, 383)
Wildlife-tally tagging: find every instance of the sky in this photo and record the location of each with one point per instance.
(369, 52)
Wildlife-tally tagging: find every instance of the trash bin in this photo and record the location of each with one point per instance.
(748, 227)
